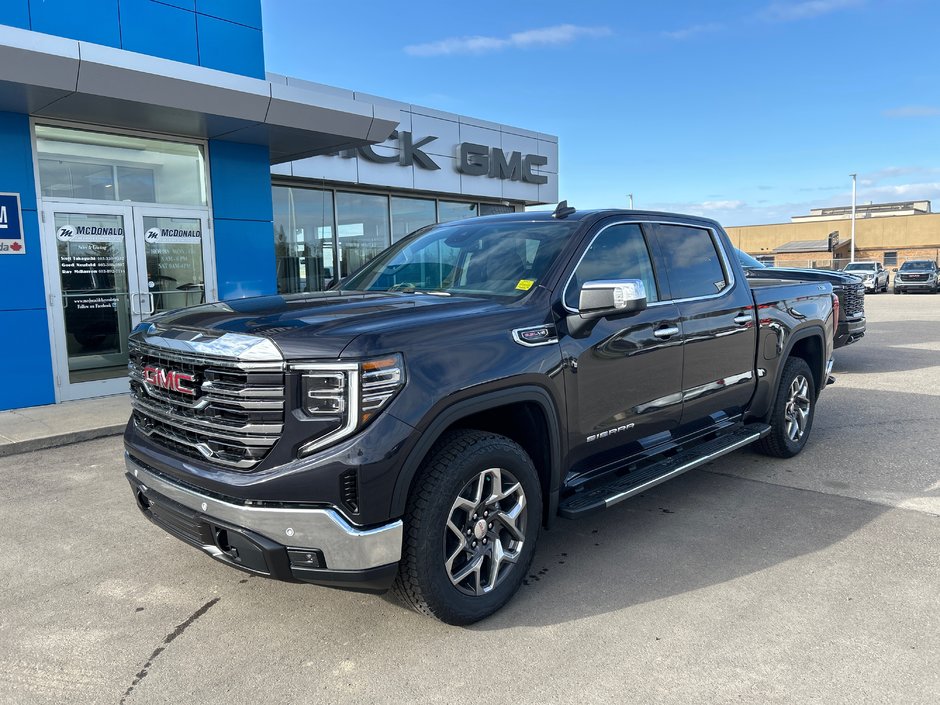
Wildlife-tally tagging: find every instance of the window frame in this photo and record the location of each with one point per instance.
(664, 290)
(723, 261)
(654, 265)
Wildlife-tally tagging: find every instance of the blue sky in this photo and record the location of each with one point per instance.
(748, 112)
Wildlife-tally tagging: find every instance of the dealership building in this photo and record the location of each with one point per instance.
(150, 162)
(890, 233)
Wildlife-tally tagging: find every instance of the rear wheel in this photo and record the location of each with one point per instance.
(794, 407)
(470, 527)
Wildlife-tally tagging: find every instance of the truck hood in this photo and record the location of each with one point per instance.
(319, 324)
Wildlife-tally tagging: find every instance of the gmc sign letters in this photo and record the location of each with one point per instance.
(472, 159)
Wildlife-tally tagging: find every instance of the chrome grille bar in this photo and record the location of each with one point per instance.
(234, 418)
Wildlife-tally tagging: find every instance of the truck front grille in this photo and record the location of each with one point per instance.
(853, 303)
(223, 411)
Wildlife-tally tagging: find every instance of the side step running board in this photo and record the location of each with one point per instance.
(642, 479)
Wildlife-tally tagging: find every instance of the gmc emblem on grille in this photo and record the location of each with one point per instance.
(169, 379)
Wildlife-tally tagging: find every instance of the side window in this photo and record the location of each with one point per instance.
(692, 259)
(618, 252)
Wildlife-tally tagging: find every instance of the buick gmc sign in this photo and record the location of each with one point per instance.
(472, 159)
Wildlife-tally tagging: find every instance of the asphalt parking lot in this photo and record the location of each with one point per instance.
(757, 580)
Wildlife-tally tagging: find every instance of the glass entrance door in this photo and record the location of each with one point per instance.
(93, 295)
(174, 257)
(109, 267)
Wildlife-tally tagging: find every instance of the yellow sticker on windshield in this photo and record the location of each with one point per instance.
(525, 284)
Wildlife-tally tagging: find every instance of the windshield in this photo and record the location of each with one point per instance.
(860, 267)
(749, 262)
(477, 256)
(917, 266)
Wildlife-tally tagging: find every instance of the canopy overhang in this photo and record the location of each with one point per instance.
(52, 77)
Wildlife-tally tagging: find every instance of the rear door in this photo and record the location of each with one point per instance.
(718, 321)
(623, 373)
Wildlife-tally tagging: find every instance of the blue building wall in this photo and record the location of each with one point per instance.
(218, 34)
(242, 219)
(25, 355)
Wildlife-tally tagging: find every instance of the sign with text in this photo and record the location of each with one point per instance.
(12, 241)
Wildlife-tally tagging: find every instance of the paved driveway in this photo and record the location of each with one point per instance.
(754, 580)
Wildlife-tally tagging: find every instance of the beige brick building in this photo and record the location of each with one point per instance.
(890, 233)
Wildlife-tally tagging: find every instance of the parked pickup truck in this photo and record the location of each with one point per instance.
(418, 425)
(848, 288)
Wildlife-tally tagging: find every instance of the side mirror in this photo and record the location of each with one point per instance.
(603, 297)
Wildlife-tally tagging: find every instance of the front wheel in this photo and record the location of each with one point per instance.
(794, 407)
(471, 524)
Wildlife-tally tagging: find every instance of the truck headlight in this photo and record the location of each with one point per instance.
(339, 398)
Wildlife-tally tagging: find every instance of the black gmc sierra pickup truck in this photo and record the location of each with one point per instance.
(418, 424)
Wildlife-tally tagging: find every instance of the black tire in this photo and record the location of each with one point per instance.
(459, 470)
(896, 290)
(788, 411)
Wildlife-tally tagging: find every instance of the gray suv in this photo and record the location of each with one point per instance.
(917, 275)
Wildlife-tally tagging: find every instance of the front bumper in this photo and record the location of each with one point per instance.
(912, 286)
(288, 543)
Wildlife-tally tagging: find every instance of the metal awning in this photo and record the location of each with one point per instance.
(53, 77)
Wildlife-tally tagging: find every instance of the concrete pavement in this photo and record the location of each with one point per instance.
(24, 430)
(814, 580)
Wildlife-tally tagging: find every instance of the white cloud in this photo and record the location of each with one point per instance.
(545, 36)
(929, 191)
(807, 9)
(721, 205)
(908, 111)
(694, 30)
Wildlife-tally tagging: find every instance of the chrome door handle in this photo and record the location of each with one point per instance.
(666, 332)
(131, 297)
(743, 319)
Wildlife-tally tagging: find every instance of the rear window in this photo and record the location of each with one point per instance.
(695, 268)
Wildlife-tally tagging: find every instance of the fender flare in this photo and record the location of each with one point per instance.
(812, 331)
(474, 405)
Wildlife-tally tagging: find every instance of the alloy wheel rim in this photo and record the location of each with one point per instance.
(797, 408)
(485, 531)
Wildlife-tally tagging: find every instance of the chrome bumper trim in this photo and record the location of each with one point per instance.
(344, 546)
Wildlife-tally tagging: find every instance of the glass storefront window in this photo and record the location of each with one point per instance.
(362, 228)
(495, 209)
(110, 167)
(409, 214)
(453, 210)
(303, 239)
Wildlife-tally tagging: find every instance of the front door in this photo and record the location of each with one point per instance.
(107, 268)
(624, 375)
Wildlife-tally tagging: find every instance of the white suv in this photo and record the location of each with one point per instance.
(873, 274)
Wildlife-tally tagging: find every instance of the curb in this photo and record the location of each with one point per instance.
(61, 439)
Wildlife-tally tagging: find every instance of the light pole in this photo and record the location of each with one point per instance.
(630, 196)
(852, 246)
